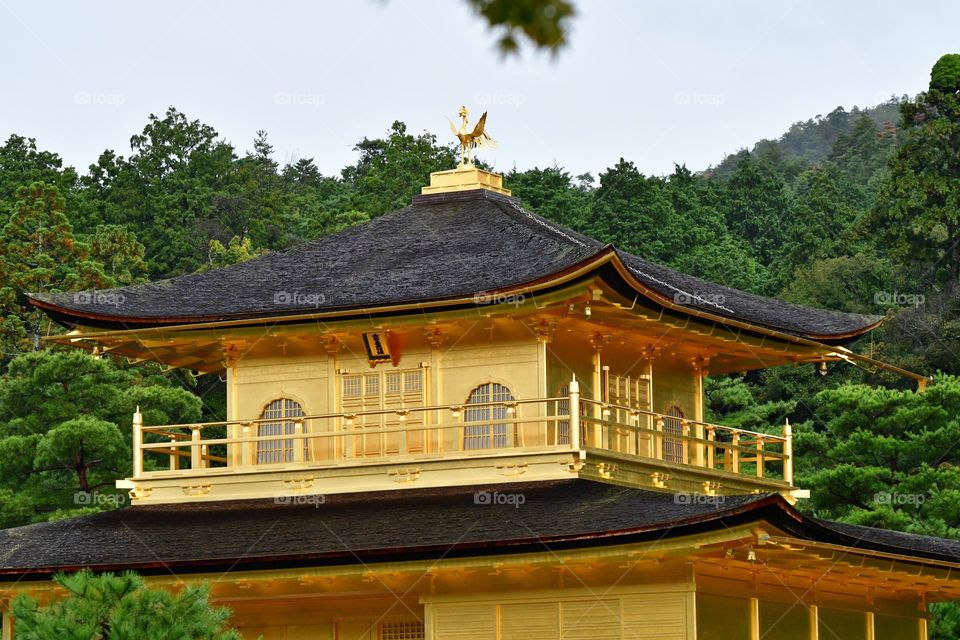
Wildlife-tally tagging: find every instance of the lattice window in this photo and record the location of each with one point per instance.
(280, 420)
(394, 382)
(412, 381)
(673, 449)
(402, 631)
(371, 385)
(352, 386)
(483, 428)
(390, 390)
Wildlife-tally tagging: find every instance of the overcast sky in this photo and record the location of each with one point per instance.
(655, 82)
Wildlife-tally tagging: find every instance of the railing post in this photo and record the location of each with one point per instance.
(658, 438)
(458, 432)
(760, 457)
(788, 452)
(403, 444)
(711, 452)
(195, 459)
(697, 448)
(298, 442)
(686, 447)
(137, 443)
(246, 448)
(174, 455)
(735, 453)
(574, 409)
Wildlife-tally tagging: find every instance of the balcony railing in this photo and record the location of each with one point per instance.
(568, 423)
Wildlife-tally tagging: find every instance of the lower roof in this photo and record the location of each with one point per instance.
(409, 524)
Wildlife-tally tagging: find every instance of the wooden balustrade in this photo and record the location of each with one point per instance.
(442, 432)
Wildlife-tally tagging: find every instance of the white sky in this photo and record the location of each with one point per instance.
(655, 82)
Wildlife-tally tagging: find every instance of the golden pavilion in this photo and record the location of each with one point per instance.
(464, 421)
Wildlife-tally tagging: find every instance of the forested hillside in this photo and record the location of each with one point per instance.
(857, 210)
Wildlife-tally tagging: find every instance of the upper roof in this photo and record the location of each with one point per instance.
(410, 524)
(448, 246)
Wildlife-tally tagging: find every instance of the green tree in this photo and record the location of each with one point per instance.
(22, 164)
(121, 607)
(863, 152)
(64, 430)
(235, 252)
(39, 254)
(391, 170)
(551, 192)
(167, 190)
(855, 284)
(632, 211)
(918, 211)
(542, 22)
(756, 209)
(885, 457)
(117, 249)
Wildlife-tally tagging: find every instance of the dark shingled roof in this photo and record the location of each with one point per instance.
(407, 524)
(443, 246)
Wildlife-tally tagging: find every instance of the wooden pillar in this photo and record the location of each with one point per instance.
(574, 413)
(593, 439)
(435, 337)
(754, 619)
(332, 345)
(7, 621)
(814, 623)
(230, 360)
(544, 333)
(698, 450)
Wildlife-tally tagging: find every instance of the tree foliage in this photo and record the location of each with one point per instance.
(64, 431)
(121, 607)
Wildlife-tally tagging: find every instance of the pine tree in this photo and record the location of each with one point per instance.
(121, 607)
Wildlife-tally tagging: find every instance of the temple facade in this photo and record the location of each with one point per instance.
(461, 420)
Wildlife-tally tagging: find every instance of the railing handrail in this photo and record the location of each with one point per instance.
(357, 431)
(354, 414)
(347, 415)
(638, 411)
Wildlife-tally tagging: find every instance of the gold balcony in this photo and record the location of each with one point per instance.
(524, 439)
